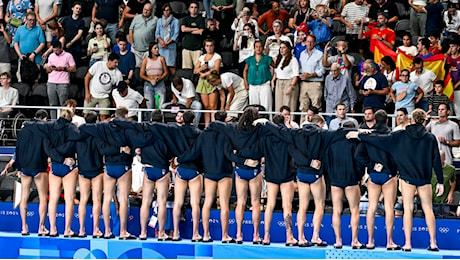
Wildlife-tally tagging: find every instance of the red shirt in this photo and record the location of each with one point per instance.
(387, 34)
(436, 49)
(269, 17)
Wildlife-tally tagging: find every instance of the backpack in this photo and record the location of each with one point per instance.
(29, 71)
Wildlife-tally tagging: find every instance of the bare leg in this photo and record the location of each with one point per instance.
(85, 188)
(225, 188)
(373, 192)
(242, 196)
(353, 195)
(41, 181)
(162, 186)
(408, 193)
(210, 187)
(26, 181)
(318, 190)
(287, 194)
(207, 116)
(304, 200)
(255, 187)
(425, 194)
(97, 185)
(109, 192)
(389, 194)
(213, 103)
(147, 196)
(195, 187)
(55, 193)
(272, 192)
(69, 182)
(124, 185)
(180, 186)
(337, 205)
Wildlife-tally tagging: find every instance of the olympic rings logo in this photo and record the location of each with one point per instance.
(443, 230)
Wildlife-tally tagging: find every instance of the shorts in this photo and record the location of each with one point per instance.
(190, 58)
(343, 185)
(116, 171)
(31, 173)
(61, 170)
(186, 174)
(204, 87)
(379, 178)
(102, 102)
(217, 177)
(247, 174)
(90, 175)
(307, 177)
(154, 173)
(416, 183)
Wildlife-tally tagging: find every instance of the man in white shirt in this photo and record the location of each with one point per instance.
(184, 93)
(341, 113)
(8, 96)
(76, 119)
(425, 79)
(99, 82)
(124, 96)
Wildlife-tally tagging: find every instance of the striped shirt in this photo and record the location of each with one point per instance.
(352, 12)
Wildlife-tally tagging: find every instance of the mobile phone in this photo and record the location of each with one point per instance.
(53, 67)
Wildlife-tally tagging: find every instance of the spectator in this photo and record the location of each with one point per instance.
(57, 34)
(244, 18)
(338, 89)
(313, 111)
(437, 98)
(46, 11)
(192, 27)
(73, 27)
(423, 48)
(300, 15)
(451, 20)
(450, 181)
(1, 10)
(341, 113)
(446, 131)
(167, 34)
(224, 13)
(214, 31)
(388, 69)
(417, 17)
(76, 119)
(369, 119)
(60, 64)
(301, 42)
(374, 86)
(206, 64)
(142, 33)
(127, 62)
(268, 19)
(405, 93)
(124, 96)
(425, 79)
(453, 66)
(8, 96)
(99, 81)
(98, 46)
(16, 12)
(434, 21)
(321, 27)
(352, 15)
(407, 47)
(311, 76)
(386, 7)
(257, 77)
(183, 92)
(244, 44)
(29, 40)
(379, 33)
(154, 70)
(5, 41)
(107, 10)
(343, 59)
(132, 9)
(272, 45)
(237, 98)
(285, 75)
(435, 47)
(402, 119)
(288, 122)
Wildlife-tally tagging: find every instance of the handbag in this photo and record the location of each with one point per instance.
(16, 22)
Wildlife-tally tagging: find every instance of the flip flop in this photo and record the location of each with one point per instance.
(176, 239)
(265, 243)
(82, 236)
(433, 249)
(407, 249)
(54, 235)
(393, 248)
(239, 242)
(25, 233)
(98, 236)
(370, 247)
(320, 244)
(306, 244)
(112, 236)
(164, 239)
(70, 236)
(292, 244)
(201, 240)
(359, 247)
(44, 234)
(338, 247)
(130, 237)
(231, 241)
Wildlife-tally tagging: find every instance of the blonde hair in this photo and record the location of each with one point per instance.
(419, 116)
(213, 76)
(327, 11)
(67, 113)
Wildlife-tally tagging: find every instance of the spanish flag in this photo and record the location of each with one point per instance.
(381, 50)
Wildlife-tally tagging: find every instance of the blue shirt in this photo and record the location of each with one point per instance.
(311, 63)
(322, 32)
(411, 90)
(298, 49)
(376, 82)
(29, 40)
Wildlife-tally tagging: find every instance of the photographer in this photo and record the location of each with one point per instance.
(342, 58)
